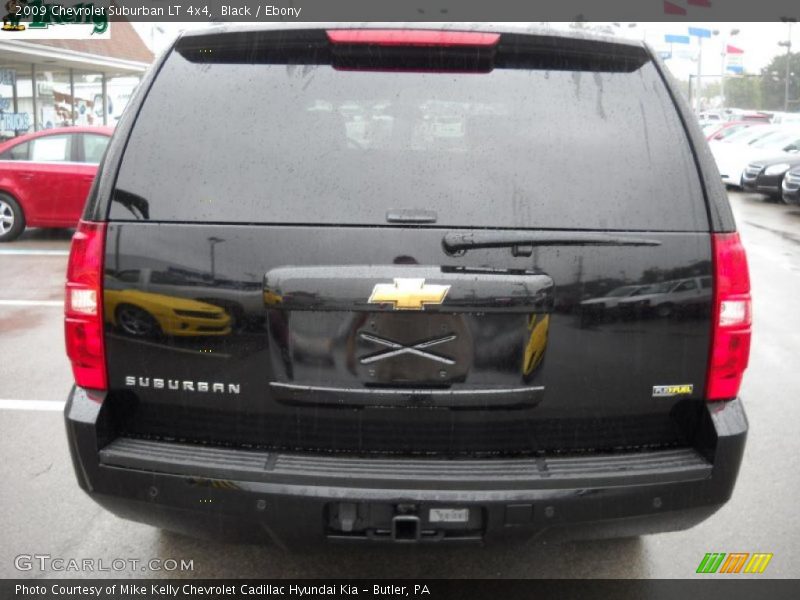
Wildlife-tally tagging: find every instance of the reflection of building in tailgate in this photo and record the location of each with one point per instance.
(52, 83)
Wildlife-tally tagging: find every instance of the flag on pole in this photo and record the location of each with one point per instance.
(734, 59)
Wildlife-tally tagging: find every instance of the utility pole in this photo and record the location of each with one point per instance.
(724, 70)
(212, 242)
(724, 55)
(699, 33)
(699, 73)
(788, 44)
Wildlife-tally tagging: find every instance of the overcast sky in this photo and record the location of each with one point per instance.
(758, 40)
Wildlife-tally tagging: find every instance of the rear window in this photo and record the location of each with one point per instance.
(93, 147)
(777, 139)
(564, 147)
(728, 132)
(52, 148)
(18, 152)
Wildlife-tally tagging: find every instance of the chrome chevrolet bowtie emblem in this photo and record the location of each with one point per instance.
(396, 349)
(408, 294)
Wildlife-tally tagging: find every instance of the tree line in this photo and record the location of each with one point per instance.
(762, 91)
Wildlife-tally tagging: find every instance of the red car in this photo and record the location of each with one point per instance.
(730, 127)
(45, 177)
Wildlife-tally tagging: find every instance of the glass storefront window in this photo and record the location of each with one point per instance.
(88, 98)
(53, 99)
(120, 89)
(15, 120)
(59, 97)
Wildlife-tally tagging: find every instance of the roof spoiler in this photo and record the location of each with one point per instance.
(417, 49)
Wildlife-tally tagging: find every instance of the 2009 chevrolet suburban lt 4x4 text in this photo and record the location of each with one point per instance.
(373, 250)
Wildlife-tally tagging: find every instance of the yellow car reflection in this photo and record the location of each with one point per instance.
(537, 342)
(143, 314)
(272, 298)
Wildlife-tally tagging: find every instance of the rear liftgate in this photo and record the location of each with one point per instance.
(396, 333)
(410, 342)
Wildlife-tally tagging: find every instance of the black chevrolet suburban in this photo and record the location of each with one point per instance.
(331, 284)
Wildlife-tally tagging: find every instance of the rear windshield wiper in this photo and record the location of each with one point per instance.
(523, 242)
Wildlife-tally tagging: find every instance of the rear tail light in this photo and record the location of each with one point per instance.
(732, 317)
(83, 306)
(412, 50)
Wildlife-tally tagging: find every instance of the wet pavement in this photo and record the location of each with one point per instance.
(45, 513)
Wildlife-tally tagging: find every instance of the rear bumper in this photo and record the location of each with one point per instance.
(302, 500)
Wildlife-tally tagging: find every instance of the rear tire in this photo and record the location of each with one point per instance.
(12, 219)
(137, 322)
(774, 198)
(664, 310)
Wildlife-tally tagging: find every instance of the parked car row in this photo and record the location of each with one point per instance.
(712, 118)
(678, 297)
(758, 157)
(777, 177)
(45, 177)
(722, 130)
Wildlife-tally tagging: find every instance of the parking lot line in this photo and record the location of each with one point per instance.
(47, 405)
(58, 303)
(33, 252)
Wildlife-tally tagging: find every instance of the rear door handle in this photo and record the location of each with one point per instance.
(26, 176)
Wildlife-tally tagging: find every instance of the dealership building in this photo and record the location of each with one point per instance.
(48, 83)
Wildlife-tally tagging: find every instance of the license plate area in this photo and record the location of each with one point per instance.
(406, 359)
(399, 350)
(448, 515)
(412, 349)
(404, 522)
